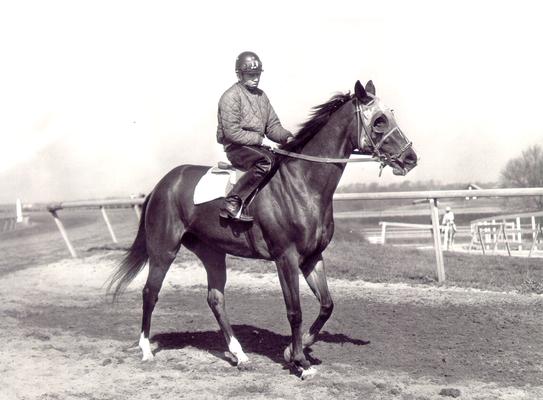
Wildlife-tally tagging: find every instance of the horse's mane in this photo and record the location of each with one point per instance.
(319, 117)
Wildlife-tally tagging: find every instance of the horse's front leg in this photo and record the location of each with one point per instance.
(315, 277)
(287, 269)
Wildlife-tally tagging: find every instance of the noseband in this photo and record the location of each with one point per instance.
(364, 134)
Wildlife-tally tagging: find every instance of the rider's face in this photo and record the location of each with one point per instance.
(250, 79)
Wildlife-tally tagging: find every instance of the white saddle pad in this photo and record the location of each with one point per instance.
(215, 183)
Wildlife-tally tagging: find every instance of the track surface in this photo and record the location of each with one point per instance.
(62, 339)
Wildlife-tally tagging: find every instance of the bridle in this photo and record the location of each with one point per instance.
(364, 135)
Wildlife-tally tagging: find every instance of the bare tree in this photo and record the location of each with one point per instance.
(525, 171)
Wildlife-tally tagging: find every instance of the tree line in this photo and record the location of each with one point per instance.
(407, 186)
(524, 170)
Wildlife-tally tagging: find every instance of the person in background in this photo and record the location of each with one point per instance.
(448, 221)
(245, 118)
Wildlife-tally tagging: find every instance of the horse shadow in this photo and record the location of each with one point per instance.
(254, 340)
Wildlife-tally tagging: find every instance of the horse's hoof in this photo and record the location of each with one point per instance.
(307, 340)
(148, 357)
(241, 358)
(238, 360)
(231, 358)
(287, 354)
(308, 373)
(245, 366)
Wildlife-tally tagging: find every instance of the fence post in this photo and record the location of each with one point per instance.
(494, 231)
(434, 213)
(534, 246)
(137, 209)
(109, 227)
(383, 232)
(534, 233)
(19, 210)
(519, 233)
(60, 227)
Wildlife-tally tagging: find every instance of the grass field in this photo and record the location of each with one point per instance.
(349, 256)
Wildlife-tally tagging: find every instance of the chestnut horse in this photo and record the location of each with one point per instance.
(293, 217)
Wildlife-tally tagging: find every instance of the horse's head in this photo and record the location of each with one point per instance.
(378, 133)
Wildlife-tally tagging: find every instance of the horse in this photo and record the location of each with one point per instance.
(293, 218)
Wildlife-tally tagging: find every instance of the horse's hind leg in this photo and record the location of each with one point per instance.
(158, 267)
(161, 256)
(315, 276)
(215, 265)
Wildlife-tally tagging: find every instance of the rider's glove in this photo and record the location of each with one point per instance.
(267, 143)
(290, 139)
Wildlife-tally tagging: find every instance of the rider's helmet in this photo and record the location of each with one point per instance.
(447, 209)
(248, 62)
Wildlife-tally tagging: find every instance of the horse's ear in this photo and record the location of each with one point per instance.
(359, 91)
(370, 88)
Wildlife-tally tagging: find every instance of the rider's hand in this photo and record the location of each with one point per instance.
(269, 143)
(290, 139)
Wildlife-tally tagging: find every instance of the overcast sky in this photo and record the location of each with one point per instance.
(102, 98)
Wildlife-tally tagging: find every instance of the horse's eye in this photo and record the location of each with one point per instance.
(380, 124)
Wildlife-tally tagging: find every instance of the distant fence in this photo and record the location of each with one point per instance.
(7, 224)
(12, 222)
(509, 229)
(408, 228)
(431, 196)
(102, 205)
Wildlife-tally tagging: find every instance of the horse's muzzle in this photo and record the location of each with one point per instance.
(405, 163)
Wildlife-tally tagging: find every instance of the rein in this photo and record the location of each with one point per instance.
(321, 159)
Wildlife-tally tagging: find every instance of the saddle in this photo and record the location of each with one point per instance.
(217, 182)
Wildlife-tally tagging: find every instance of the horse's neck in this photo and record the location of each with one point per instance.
(331, 141)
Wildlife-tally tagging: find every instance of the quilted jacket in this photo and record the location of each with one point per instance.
(244, 117)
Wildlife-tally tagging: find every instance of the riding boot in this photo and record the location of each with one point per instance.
(232, 208)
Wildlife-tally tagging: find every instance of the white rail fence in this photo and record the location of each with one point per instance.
(431, 197)
(7, 224)
(408, 228)
(12, 222)
(509, 229)
(102, 205)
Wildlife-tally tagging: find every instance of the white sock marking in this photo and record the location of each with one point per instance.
(237, 351)
(145, 346)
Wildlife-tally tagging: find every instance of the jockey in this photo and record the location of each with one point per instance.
(245, 118)
(448, 219)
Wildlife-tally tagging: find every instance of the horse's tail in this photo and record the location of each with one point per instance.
(134, 260)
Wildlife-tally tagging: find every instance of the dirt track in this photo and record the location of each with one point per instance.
(63, 339)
